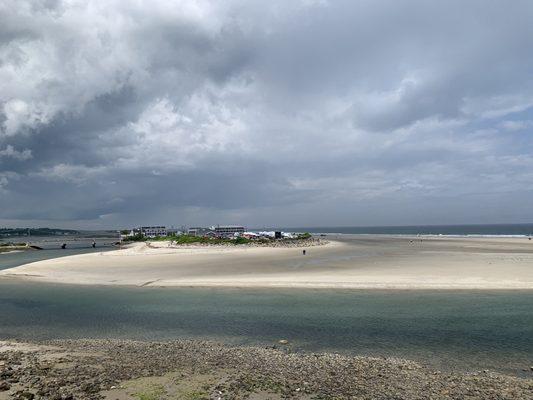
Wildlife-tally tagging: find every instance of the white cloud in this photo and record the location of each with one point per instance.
(11, 152)
(250, 104)
(513, 126)
(76, 174)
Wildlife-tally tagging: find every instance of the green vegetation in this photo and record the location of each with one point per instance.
(189, 239)
(154, 392)
(136, 238)
(195, 395)
(241, 240)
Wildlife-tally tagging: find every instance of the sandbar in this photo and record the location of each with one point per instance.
(346, 262)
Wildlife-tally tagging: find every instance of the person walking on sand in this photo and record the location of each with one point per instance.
(303, 252)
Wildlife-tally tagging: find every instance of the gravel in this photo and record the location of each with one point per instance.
(82, 369)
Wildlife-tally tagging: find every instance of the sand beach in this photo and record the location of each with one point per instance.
(357, 261)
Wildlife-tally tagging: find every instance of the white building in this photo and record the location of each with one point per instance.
(229, 230)
(153, 231)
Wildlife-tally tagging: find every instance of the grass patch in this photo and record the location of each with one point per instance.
(189, 239)
(194, 395)
(154, 392)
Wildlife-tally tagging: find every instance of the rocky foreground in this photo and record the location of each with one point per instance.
(94, 369)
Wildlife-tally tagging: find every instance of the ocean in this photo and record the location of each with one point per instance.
(448, 230)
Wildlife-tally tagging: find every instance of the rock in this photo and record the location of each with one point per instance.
(7, 373)
(4, 386)
(26, 395)
(325, 375)
(89, 387)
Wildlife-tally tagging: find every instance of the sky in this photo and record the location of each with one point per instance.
(265, 113)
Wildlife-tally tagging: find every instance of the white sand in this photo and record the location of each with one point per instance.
(355, 262)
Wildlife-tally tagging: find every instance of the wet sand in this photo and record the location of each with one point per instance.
(358, 261)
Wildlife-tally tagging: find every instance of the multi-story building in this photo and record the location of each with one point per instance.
(229, 230)
(198, 231)
(153, 231)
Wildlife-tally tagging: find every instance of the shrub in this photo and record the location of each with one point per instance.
(136, 238)
(241, 240)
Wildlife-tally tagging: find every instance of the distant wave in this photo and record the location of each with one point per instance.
(494, 230)
(473, 235)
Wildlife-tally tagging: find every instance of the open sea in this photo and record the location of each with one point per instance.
(447, 230)
(464, 330)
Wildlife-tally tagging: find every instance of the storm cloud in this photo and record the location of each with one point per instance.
(275, 113)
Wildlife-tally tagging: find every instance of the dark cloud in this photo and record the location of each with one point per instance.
(263, 113)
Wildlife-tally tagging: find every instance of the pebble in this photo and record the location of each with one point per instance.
(322, 375)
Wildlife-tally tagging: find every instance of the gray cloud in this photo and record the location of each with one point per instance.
(265, 113)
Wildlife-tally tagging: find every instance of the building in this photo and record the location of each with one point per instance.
(153, 231)
(173, 231)
(198, 231)
(229, 230)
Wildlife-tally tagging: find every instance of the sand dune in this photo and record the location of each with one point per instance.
(382, 262)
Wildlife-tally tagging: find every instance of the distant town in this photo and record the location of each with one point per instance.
(215, 232)
(49, 238)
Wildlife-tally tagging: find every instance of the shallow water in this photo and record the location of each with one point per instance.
(14, 259)
(446, 329)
